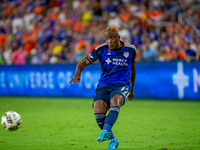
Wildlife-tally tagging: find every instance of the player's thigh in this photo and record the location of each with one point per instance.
(118, 95)
(101, 99)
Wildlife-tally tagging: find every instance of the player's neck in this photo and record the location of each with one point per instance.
(119, 45)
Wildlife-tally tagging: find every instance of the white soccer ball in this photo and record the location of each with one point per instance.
(11, 120)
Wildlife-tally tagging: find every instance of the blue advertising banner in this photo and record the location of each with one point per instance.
(160, 80)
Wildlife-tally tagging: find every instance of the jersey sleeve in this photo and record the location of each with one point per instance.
(92, 57)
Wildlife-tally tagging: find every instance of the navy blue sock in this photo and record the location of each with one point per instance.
(111, 118)
(100, 117)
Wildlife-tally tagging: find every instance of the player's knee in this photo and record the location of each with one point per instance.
(100, 106)
(117, 100)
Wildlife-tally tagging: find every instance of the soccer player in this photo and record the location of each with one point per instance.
(116, 83)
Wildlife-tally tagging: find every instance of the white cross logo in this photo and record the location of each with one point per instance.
(180, 80)
(108, 61)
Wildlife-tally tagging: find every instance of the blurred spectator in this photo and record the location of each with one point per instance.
(154, 12)
(136, 37)
(80, 55)
(17, 23)
(191, 50)
(62, 33)
(35, 57)
(169, 53)
(29, 20)
(1, 56)
(96, 9)
(2, 39)
(7, 9)
(38, 9)
(125, 34)
(180, 54)
(29, 40)
(114, 20)
(148, 54)
(19, 56)
(57, 47)
(7, 54)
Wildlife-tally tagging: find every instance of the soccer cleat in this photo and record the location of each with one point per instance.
(113, 144)
(104, 135)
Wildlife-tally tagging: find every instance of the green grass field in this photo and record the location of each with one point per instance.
(69, 124)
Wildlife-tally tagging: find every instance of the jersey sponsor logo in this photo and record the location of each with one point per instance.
(120, 62)
(117, 61)
(126, 54)
(108, 61)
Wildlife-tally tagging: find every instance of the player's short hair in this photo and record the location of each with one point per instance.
(112, 29)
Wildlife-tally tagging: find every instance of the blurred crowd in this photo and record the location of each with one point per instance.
(65, 31)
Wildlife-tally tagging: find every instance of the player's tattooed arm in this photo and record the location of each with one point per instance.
(79, 68)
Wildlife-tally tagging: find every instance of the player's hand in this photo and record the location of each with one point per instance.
(130, 95)
(75, 79)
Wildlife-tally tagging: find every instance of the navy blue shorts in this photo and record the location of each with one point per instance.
(107, 91)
